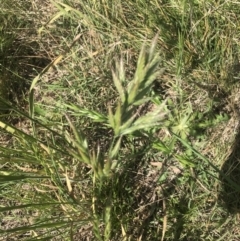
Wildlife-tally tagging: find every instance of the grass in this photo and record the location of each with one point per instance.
(119, 121)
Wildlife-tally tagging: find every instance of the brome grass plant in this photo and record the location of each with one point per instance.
(119, 120)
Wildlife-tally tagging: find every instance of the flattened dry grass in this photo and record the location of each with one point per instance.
(108, 142)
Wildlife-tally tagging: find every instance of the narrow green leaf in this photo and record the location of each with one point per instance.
(83, 154)
(4, 178)
(75, 132)
(107, 220)
(186, 144)
(119, 87)
(31, 103)
(94, 115)
(185, 161)
(132, 92)
(34, 227)
(134, 128)
(77, 156)
(152, 50)
(114, 150)
(41, 239)
(111, 118)
(127, 124)
(118, 119)
(160, 146)
(4, 209)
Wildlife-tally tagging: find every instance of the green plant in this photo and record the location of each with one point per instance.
(115, 152)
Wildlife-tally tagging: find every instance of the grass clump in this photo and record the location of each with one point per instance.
(109, 144)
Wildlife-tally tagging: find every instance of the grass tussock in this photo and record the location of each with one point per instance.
(119, 120)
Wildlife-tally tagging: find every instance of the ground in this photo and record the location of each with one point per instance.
(119, 120)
